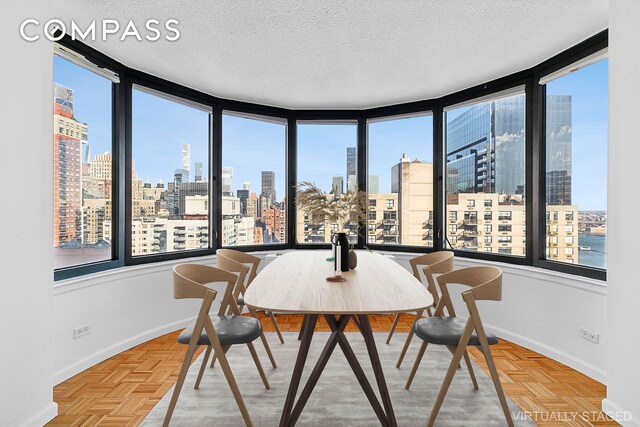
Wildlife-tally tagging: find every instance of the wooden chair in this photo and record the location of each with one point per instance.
(245, 258)
(218, 333)
(241, 270)
(434, 263)
(457, 334)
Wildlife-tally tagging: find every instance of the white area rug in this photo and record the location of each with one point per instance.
(338, 399)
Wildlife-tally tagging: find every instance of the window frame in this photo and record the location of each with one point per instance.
(577, 53)
(534, 164)
(103, 62)
(184, 97)
(385, 114)
(288, 176)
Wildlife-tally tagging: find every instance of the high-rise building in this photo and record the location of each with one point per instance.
(68, 136)
(337, 187)
(268, 187)
(252, 206)
(558, 149)
(186, 157)
(245, 231)
(246, 186)
(373, 184)
(274, 220)
(352, 166)
(227, 181)
(485, 148)
(413, 182)
(243, 195)
(100, 167)
(182, 173)
(190, 189)
(198, 172)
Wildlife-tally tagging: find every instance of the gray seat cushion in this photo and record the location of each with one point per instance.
(447, 331)
(230, 330)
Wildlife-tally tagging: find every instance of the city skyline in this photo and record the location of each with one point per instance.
(590, 105)
(485, 153)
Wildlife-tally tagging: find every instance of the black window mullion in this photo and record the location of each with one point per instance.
(125, 176)
(362, 173)
(118, 173)
(291, 180)
(536, 173)
(439, 168)
(214, 203)
(215, 177)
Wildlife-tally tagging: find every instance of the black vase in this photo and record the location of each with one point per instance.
(344, 251)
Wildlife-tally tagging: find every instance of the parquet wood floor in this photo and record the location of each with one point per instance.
(121, 390)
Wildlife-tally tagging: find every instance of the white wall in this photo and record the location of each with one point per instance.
(125, 307)
(623, 352)
(26, 230)
(541, 310)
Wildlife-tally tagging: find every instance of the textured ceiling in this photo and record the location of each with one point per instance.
(342, 54)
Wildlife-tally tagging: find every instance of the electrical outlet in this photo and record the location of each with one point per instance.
(589, 335)
(81, 330)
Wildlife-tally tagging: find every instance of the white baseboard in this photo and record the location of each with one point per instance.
(553, 353)
(619, 415)
(79, 366)
(42, 417)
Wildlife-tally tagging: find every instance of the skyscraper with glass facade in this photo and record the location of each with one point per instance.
(558, 149)
(269, 187)
(352, 164)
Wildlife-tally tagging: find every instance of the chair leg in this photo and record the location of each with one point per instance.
(179, 383)
(263, 338)
(452, 350)
(226, 369)
(213, 361)
(254, 355)
(277, 328)
(393, 327)
(407, 342)
(470, 368)
(453, 366)
(496, 382)
(207, 353)
(414, 369)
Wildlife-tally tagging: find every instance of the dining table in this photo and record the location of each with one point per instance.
(296, 282)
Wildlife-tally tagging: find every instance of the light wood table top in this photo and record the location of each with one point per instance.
(296, 283)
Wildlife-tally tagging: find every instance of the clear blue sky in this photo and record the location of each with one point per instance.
(92, 101)
(160, 127)
(322, 152)
(254, 146)
(390, 139)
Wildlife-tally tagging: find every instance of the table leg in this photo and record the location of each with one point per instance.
(320, 365)
(309, 326)
(304, 322)
(291, 412)
(362, 379)
(377, 368)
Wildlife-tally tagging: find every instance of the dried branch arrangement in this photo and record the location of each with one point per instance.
(349, 207)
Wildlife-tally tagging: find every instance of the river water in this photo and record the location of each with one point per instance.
(597, 256)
